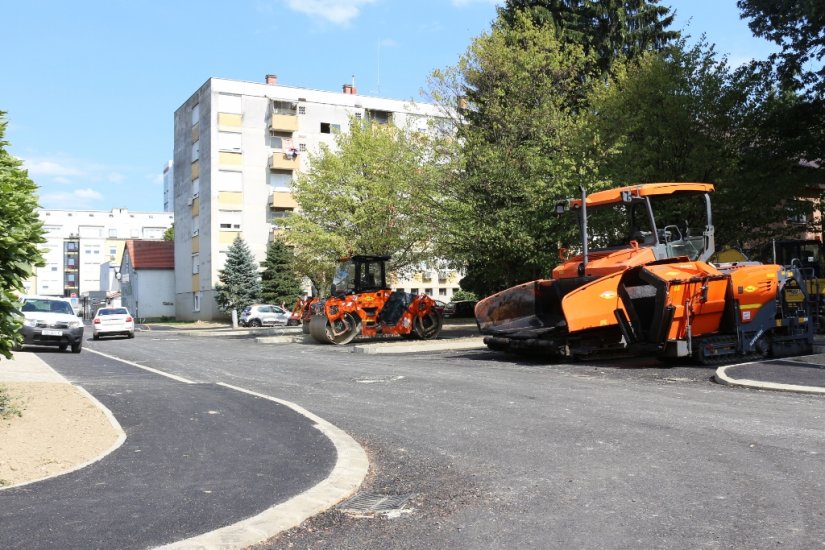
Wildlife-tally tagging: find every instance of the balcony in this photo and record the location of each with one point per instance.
(281, 161)
(283, 123)
(282, 200)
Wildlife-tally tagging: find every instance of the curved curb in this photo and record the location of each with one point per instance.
(121, 438)
(722, 378)
(349, 471)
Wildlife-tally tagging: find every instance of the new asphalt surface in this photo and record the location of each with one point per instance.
(197, 457)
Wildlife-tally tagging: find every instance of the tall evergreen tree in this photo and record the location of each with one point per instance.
(20, 233)
(278, 280)
(240, 284)
(798, 26)
(609, 29)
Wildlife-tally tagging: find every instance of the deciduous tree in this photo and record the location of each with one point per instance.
(20, 233)
(522, 149)
(372, 193)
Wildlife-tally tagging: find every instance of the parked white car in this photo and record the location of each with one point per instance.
(258, 315)
(109, 321)
(50, 321)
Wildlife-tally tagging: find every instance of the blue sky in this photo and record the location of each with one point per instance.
(90, 87)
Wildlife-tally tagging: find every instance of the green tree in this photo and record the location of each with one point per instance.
(609, 29)
(169, 234)
(372, 193)
(20, 233)
(240, 284)
(798, 26)
(523, 149)
(278, 280)
(685, 115)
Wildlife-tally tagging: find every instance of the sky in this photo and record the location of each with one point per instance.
(90, 87)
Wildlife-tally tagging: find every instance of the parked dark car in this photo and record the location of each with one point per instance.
(464, 308)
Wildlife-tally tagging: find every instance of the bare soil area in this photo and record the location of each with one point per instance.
(59, 429)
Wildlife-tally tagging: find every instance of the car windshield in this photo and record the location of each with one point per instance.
(113, 311)
(52, 306)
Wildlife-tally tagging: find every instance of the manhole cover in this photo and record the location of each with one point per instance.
(375, 504)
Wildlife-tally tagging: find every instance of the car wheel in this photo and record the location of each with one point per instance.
(95, 336)
(255, 323)
(62, 347)
(76, 347)
(131, 335)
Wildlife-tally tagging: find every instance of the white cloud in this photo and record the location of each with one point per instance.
(51, 168)
(79, 199)
(87, 193)
(339, 12)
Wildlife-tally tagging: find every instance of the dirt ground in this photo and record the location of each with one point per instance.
(59, 429)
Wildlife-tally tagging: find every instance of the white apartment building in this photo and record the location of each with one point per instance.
(237, 146)
(83, 247)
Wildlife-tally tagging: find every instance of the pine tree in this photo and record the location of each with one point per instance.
(240, 284)
(20, 233)
(278, 280)
(609, 29)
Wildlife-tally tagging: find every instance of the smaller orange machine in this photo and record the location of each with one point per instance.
(362, 304)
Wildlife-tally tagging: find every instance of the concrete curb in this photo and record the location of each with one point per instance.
(344, 480)
(722, 378)
(454, 344)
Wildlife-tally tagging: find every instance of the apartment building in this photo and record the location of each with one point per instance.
(83, 247)
(237, 146)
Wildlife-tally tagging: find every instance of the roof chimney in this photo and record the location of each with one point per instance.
(272, 79)
(349, 89)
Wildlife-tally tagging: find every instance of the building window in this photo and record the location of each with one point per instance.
(113, 232)
(379, 117)
(442, 291)
(229, 103)
(302, 110)
(428, 291)
(196, 188)
(196, 114)
(195, 263)
(228, 141)
(413, 291)
(196, 301)
(229, 220)
(302, 147)
(71, 246)
(358, 116)
(325, 128)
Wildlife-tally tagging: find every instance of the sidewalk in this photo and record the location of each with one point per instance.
(795, 374)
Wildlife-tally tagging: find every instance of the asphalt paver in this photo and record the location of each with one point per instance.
(197, 457)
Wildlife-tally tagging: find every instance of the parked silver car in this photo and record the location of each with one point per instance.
(258, 315)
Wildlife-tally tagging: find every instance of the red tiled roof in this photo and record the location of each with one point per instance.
(151, 254)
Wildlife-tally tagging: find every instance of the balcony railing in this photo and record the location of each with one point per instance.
(282, 161)
(283, 123)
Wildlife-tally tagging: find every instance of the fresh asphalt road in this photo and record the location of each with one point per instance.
(501, 453)
(197, 457)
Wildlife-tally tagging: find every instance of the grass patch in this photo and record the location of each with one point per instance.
(8, 406)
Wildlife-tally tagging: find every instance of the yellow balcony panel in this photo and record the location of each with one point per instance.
(280, 161)
(230, 120)
(196, 134)
(196, 282)
(277, 232)
(228, 237)
(282, 199)
(284, 123)
(196, 244)
(226, 158)
(196, 206)
(196, 170)
(230, 198)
